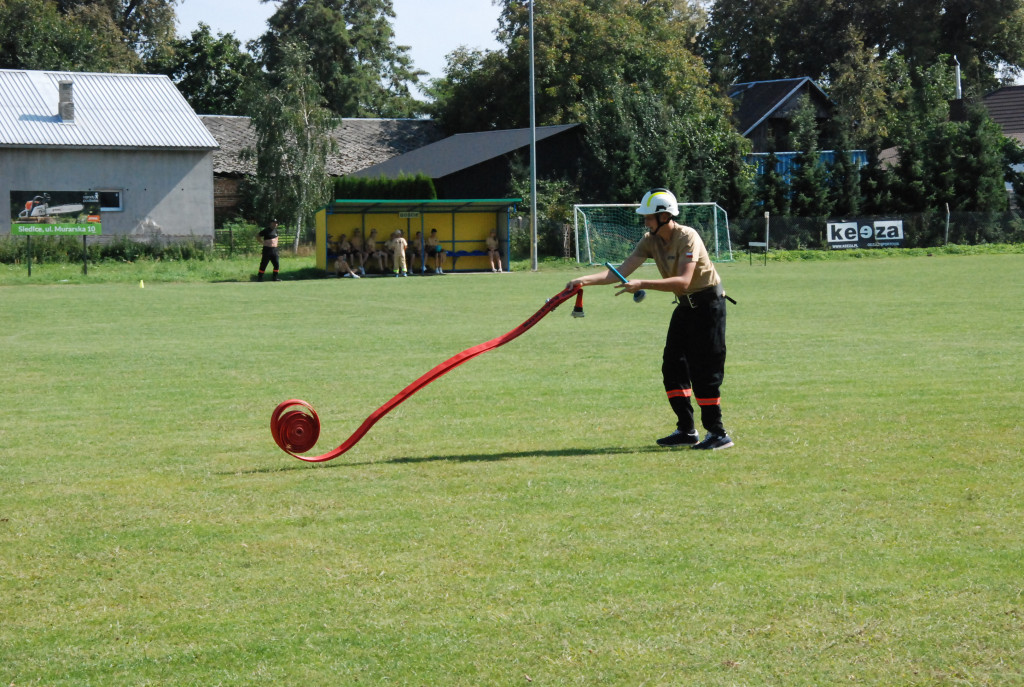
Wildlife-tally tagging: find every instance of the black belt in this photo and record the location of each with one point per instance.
(695, 300)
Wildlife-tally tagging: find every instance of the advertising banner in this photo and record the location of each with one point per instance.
(55, 213)
(845, 234)
(865, 233)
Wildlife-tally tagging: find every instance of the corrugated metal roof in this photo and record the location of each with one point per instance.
(110, 111)
(459, 152)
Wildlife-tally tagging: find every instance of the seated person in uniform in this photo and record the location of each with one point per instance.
(436, 251)
(343, 247)
(358, 255)
(416, 247)
(374, 251)
(342, 268)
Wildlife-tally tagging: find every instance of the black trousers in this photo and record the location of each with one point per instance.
(269, 256)
(693, 363)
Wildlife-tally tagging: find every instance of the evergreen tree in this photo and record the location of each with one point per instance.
(772, 189)
(809, 180)
(979, 164)
(844, 178)
(876, 186)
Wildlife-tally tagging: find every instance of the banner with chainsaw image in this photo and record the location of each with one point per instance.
(50, 213)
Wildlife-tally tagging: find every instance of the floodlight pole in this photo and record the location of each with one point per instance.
(533, 156)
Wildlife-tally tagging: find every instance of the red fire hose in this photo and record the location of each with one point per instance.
(296, 426)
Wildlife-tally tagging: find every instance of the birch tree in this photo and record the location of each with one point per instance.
(292, 134)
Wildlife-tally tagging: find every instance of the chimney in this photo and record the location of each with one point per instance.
(66, 102)
(957, 107)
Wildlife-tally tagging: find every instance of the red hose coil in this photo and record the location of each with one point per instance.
(295, 426)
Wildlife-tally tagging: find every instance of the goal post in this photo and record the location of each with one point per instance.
(608, 233)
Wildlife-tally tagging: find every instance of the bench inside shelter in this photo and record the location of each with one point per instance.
(462, 227)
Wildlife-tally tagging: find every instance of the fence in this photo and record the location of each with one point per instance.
(921, 230)
(243, 239)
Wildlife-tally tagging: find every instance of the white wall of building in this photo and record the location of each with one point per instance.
(165, 193)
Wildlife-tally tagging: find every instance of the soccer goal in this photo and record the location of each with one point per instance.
(608, 233)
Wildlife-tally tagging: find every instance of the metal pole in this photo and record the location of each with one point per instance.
(28, 253)
(533, 156)
(767, 222)
(717, 254)
(85, 257)
(947, 224)
(576, 231)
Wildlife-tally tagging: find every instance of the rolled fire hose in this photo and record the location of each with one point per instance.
(296, 426)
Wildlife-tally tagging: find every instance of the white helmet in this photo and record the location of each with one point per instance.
(658, 200)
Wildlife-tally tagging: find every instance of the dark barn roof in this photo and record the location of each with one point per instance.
(461, 151)
(756, 101)
(1006, 108)
(479, 165)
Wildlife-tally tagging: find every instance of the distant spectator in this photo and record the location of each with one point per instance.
(269, 237)
(492, 251)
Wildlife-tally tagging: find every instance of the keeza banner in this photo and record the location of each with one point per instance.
(867, 233)
(51, 213)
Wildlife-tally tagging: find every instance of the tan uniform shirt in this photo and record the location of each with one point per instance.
(398, 245)
(684, 245)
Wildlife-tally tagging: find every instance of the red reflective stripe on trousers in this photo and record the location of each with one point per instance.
(679, 393)
(709, 401)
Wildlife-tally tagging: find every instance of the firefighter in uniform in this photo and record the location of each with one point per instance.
(693, 361)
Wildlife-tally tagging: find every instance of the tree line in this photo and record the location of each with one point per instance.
(647, 79)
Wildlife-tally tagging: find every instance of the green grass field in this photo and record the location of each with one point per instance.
(513, 523)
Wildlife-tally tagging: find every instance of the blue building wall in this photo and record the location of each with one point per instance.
(786, 164)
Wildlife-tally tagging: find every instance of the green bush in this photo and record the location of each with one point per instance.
(68, 249)
(404, 187)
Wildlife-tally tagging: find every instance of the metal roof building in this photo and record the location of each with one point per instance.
(131, 137)
(126, 111)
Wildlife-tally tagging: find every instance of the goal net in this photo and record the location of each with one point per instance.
(608, 233)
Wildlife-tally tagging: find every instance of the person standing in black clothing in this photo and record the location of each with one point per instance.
(269, 236)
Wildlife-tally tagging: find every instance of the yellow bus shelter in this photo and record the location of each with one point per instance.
(462, 227)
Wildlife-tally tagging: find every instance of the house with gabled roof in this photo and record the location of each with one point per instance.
(132, 139)
(763, 110)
